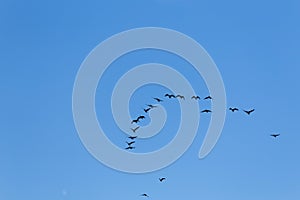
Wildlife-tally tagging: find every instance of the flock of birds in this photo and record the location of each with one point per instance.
(181, 97)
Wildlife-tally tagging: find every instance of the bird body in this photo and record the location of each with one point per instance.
(146, 110)
(130, 143)
(158, 99)
(233, 109)
(249, 111)
(135, 129)
(151, 106)
(144, 195)
(180, 96)
(208, 97)
(206, 111)
(170, 96)
(130, 147)
(162, 179)
(132, 137)
(195, 97)
(275, 135)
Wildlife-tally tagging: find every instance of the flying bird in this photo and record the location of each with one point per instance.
(170, 96)
(130, 143)
(233, 109)
(162, 179)
(135, 129)
(274, 135)
(158, 99)
(135, 121)
(205, 111)
(130, 147)
(132, 137)
(180, 96)
(208, 97)
(151, 106)
(195, 97)
(144, 195)
(249, 111)
(146, 110)
(141, 117)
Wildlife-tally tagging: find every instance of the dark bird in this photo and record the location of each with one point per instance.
(249, 111)
(180, 96)
(151, 106)
(135, 129)
(132, 137)
(130, 147)
(141, 117)
(158, 100)
(205, 111)
(144, 195)
(170, 96)
(162, 179)
(147, 109)
(134, 121)
(195, 97)
(274, 135)
(234, 109)
(130, 143)
(208, 97)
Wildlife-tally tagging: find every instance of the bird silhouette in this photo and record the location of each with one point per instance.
(170, 96)
(141, 117)
(162, 179)
(206, 111)
(135, 121)
(132, 137)
(249, 111)
(135, 129)
(144, 195)
(151, 106)
(158, 99)
(146, 110)
(208, 97)
(195, 97)
(274, 135)
(180, 96)
(130, 143)
(233, 109)
(130, 147)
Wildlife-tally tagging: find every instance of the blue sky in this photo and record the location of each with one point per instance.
(255, 45)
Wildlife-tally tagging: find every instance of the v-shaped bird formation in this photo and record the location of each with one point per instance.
(149, 107)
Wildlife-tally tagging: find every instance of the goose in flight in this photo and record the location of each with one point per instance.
(249, 111)
(233, 109)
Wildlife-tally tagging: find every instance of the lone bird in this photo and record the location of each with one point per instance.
(130, 147)
(249, 111)
(144, 195)
(206, 111)
(208, 97)
(233, 109)
(180, 96)
(274, 135)
(162, 179)
(158, 99)
(135, 129)
(130, 143)
(132, 137)
(170, 96)
(146, 110)
(195, 97)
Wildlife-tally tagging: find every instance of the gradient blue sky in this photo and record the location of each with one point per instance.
(255, 44)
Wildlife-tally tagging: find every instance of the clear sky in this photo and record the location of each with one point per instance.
(255, 45)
